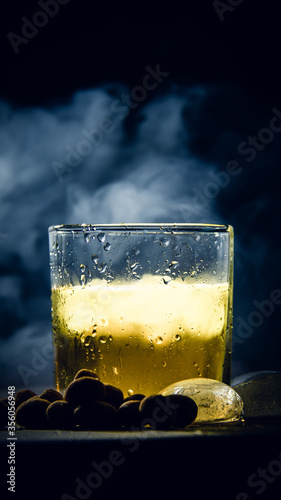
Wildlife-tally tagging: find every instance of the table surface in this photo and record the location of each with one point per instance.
(221, 461)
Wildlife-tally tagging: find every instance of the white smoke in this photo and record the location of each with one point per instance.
(137, 167)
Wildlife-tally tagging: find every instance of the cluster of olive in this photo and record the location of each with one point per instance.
(90, 404)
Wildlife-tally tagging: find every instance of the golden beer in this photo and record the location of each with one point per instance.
(141, 336)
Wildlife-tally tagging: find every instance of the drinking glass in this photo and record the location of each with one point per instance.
(142, 305)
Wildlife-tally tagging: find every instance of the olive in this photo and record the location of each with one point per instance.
(51, 395)
(186, 410)
(32, 413)
(23, 395)
(134, 397)
(3, 415)
(113, 395)
(60, 415)
(157, 412)
(84, 390)
(86, 373)
(129, 413)
(97, 415)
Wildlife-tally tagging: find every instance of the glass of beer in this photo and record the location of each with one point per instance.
(143, 305)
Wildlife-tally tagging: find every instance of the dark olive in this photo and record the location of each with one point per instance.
(113, 395)
(129, 414)
(186, 409)
(51, 395)
(157, 412)
(134, 397)
(84, 390)
(32, 413)
(23, 395)
(97, 416)
(60, 415)
(86, 373)
(3, 415)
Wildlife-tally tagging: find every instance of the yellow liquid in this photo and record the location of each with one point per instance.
(140, 336)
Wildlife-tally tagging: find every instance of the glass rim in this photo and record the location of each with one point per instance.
(147, 226)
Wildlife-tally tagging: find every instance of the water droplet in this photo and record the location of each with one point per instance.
(87, 237)
(102, 339)
(107, 247)
(93, 356)
(102, 267)
(101, 237)
(95, 258)
(110, 338)
(164, 363)
(134, 266)
(159, 340)
(166, 280)
(100, 356)
(82, 268)
(178, 337)
(130, 392)
(214, 272)
(174, 264)
(83, 279)
(87, 341)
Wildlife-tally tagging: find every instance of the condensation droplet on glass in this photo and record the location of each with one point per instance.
(166, 280)
(177, 337)
(164, 363)
(87, 340)
(214, 273)
(82, 268)
(87, 237)
(101, 237)
(102, 339)
(159, 340)
(95, 258)
(102, 267)
(107, 246)
(174, 264)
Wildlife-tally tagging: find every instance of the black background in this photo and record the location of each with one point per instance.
(89, 43)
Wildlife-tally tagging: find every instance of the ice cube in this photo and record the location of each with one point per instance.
(216, 401)
(261, 394)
